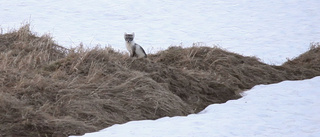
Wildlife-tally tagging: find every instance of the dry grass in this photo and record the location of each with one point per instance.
(48, 90)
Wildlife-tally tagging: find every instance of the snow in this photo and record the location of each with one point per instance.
(243, 26)
(289, 108)
(272, 30)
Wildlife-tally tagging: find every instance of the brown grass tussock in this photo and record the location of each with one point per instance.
(48, 90)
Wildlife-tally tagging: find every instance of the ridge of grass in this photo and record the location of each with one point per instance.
(49, 90)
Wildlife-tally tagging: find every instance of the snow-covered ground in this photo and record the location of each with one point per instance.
(286, 109)
(244, 26)
(272, 30)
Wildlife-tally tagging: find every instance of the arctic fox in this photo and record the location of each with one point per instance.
(135, 49)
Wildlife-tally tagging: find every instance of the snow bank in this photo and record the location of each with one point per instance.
(289, 108)
(272, 25)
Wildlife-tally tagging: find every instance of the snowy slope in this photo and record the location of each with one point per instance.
(243, 26)
(272, 30)
(286, 109)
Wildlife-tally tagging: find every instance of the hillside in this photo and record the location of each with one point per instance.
(48, 90)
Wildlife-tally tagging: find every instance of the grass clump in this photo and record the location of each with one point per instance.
(48, 90)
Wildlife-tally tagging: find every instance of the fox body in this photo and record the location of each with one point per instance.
(134, 49)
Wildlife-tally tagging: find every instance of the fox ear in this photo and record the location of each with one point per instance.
(133, 34)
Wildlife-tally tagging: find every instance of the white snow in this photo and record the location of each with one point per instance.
(244, 26)
(286, 109)
(272, 30)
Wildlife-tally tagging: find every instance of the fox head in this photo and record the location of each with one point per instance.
(128, 37)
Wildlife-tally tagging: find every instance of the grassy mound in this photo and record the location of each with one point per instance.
(48, 90)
